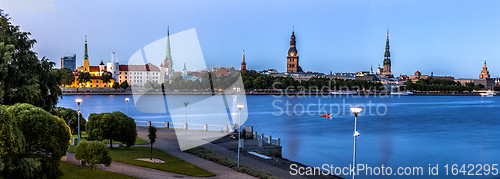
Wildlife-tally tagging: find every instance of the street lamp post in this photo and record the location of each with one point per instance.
(126, 99)
(356, 111)
(239, 132)
(185, 123)
(78, 101)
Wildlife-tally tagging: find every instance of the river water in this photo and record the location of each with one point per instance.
(406, 131)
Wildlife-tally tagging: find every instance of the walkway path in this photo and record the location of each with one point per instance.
(167, 142)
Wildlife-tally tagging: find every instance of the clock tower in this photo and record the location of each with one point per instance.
(292, 59)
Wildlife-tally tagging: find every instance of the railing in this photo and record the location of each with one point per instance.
(188, 126)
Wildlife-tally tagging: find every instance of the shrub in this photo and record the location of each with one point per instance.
(47, 138)
(93, 153)
(113, 126)
(70, 117)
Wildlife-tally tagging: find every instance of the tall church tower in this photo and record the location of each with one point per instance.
(86, 58)
(292, 60)
(484, 73)
(168, 56)
(387, 59)
(243, 64)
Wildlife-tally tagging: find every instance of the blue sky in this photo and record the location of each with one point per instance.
(447, 37)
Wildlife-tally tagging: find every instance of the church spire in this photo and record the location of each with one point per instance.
(387, 53)
(243, 64)
(185, 69)
(85, 53)
(168, 55)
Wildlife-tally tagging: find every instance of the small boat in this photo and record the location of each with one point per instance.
(402, 93)
(488, 94)
(326, 115)
(343, 92)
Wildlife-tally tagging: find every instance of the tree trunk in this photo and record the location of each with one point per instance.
(151, 156)
(111, 143)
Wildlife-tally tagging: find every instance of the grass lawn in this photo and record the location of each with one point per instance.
(138, 141)
(73, 171)
(172, 164)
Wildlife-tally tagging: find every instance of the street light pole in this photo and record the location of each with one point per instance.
(78, 101)
(185, 124)
(126, 99)
(239, 132)
(356, 111)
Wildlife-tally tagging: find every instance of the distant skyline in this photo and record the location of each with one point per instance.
(447, 37)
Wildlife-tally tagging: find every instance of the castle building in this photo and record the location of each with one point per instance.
(386, 71)
(484, 73)
(292, 60)
(243, 64)
(69, 62)
(94, 71)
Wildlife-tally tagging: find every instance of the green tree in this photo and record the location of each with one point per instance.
(116, 85)
(469, 86)
(71, 118)
(148, 85)
(93, 153)
(124, 85)
(106, 77)
(67, 76)
(113, 126)
(152, 139)
(24, 77)
(47, 139)
(479, 87)
(84, 77)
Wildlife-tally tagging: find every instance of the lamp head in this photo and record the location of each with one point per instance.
(126, 99)
(356, 110)
(240, 106)
(186, 104)
(78, 100)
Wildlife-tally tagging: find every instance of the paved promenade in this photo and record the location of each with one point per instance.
(167, 142)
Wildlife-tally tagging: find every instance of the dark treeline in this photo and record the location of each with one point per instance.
(431, 84)
(255, 80)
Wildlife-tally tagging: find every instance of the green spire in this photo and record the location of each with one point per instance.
(85, 54)
(185, 69)
(168, 55)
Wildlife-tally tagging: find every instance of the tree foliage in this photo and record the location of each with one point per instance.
(113, 126)
(116, 85)
(124, 85)
(152, 139)
(93, 153)
(431, 84)
(24, 78)
(71, 118)
(106, 76)
(47, 138)
(67, 76)
(83, 77)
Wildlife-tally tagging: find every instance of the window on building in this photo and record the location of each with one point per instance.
(125, 72)
(105, 86)
(97, 86)
(120, 73)
(97, 81)
(91, 86)
(125, 77)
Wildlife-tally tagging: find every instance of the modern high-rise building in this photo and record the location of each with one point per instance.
(292, 60)
(484, 73)
(69, 62)
(386, 71)
(243, 64)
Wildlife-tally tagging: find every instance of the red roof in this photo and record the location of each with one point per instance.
(147, 67)
(221, 72)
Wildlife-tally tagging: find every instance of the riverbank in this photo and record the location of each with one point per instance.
(286, 93)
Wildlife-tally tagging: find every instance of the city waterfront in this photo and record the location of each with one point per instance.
(407, 131)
